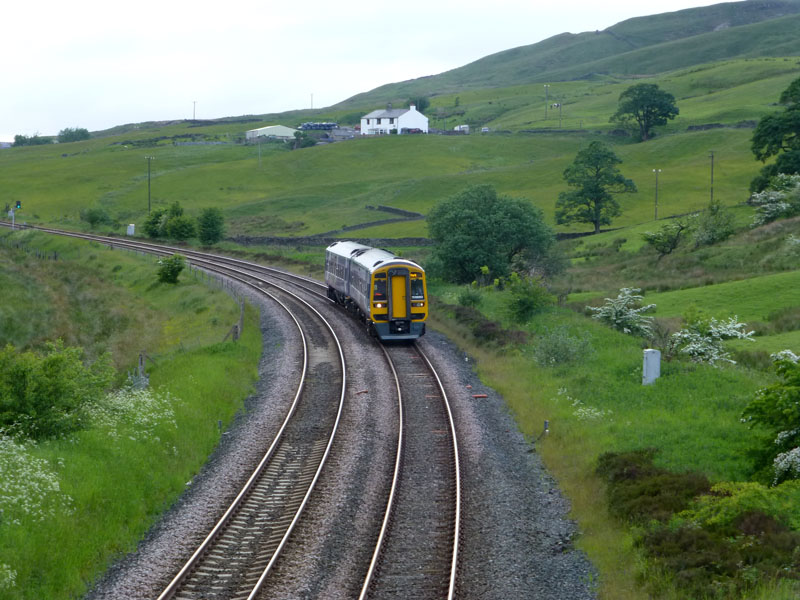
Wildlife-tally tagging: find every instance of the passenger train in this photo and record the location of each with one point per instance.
(386, 292)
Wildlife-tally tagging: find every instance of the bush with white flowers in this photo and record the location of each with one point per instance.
(777, 408)
(625, 313)
(779, 201)
(702, 339)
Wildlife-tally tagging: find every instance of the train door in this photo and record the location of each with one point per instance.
(399, 297)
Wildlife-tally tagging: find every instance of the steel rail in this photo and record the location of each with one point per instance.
(395, 482)
(457, 516)
(173, 586)
(243, 278)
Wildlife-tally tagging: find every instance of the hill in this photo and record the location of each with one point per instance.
(644, 45)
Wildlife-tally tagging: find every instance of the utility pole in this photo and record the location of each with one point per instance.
(149, 158)
(194, 107)
(656, 171)
(712, 175)
(546, 99)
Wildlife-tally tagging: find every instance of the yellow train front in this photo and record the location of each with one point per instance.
(386, 292)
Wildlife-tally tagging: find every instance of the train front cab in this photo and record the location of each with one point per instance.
(399, 302)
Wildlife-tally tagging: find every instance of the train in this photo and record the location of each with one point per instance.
(386, 292)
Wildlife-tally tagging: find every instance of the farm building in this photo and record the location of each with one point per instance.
(403, 120)
(278, 132)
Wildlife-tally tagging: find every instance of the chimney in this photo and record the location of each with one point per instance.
(412, 107)
(388, 106)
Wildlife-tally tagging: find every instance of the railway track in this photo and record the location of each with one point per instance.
(416, 552)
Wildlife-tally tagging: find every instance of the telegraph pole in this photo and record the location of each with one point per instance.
(656, 171)
(712, 175)
(546, 99)
(149, 158)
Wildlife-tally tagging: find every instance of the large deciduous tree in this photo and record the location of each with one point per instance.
(479, 228)
(778, 135)
(647, 105)
(595, 178)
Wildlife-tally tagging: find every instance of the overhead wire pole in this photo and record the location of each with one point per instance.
(546, 99)
(149, 158)
(656, 171)
(711, 154)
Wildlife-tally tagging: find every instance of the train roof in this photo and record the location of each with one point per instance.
(366, 256)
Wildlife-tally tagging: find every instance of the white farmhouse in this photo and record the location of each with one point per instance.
(278, 132)
(402, 119)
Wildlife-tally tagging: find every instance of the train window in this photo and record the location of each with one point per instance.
(417, 289)
(379, 290)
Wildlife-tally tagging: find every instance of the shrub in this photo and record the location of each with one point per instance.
(702, 339)
(640, 492)
(45, 395)
(170, 268)
(777, 408)
(623, 314)
(95, 216)
(180, 228)
(210, 226)
(713, 225)
(780, 200)
(729, 540)
(558, 347)
(666, 239)
(528, 296)
(469, 297)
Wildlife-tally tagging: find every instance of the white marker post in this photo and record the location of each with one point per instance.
(651, 369)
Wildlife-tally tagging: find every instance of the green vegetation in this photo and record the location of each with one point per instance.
(99, 487)
(478, 229)
(647, 106)
(169, 268)
(595, 178)
(705, 264)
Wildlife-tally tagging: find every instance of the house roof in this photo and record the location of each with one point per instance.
(386, 113)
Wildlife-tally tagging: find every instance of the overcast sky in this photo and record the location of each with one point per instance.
(96, 64)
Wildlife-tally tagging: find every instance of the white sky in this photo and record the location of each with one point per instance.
(97, 64)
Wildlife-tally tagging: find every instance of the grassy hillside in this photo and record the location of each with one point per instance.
(651, 44)
(323, 188)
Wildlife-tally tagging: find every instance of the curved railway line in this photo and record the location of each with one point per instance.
(417, 530)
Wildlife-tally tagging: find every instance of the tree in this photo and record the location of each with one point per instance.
(647, 105)
(210, 226)
(153, 226)
(595, 177)
(778, 135)
(34, 140)
(73, 135)
(421, 103)
(666, 239)
(478, 227)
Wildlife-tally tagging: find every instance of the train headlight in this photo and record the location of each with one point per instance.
(417, 304)
(379, 305)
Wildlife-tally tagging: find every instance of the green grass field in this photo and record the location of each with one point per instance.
(323, 188)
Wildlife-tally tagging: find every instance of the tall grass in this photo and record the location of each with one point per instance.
(116, 477)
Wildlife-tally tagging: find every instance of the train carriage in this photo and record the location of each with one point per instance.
(385, 291)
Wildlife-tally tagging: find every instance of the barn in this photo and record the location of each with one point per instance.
(278, 132)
